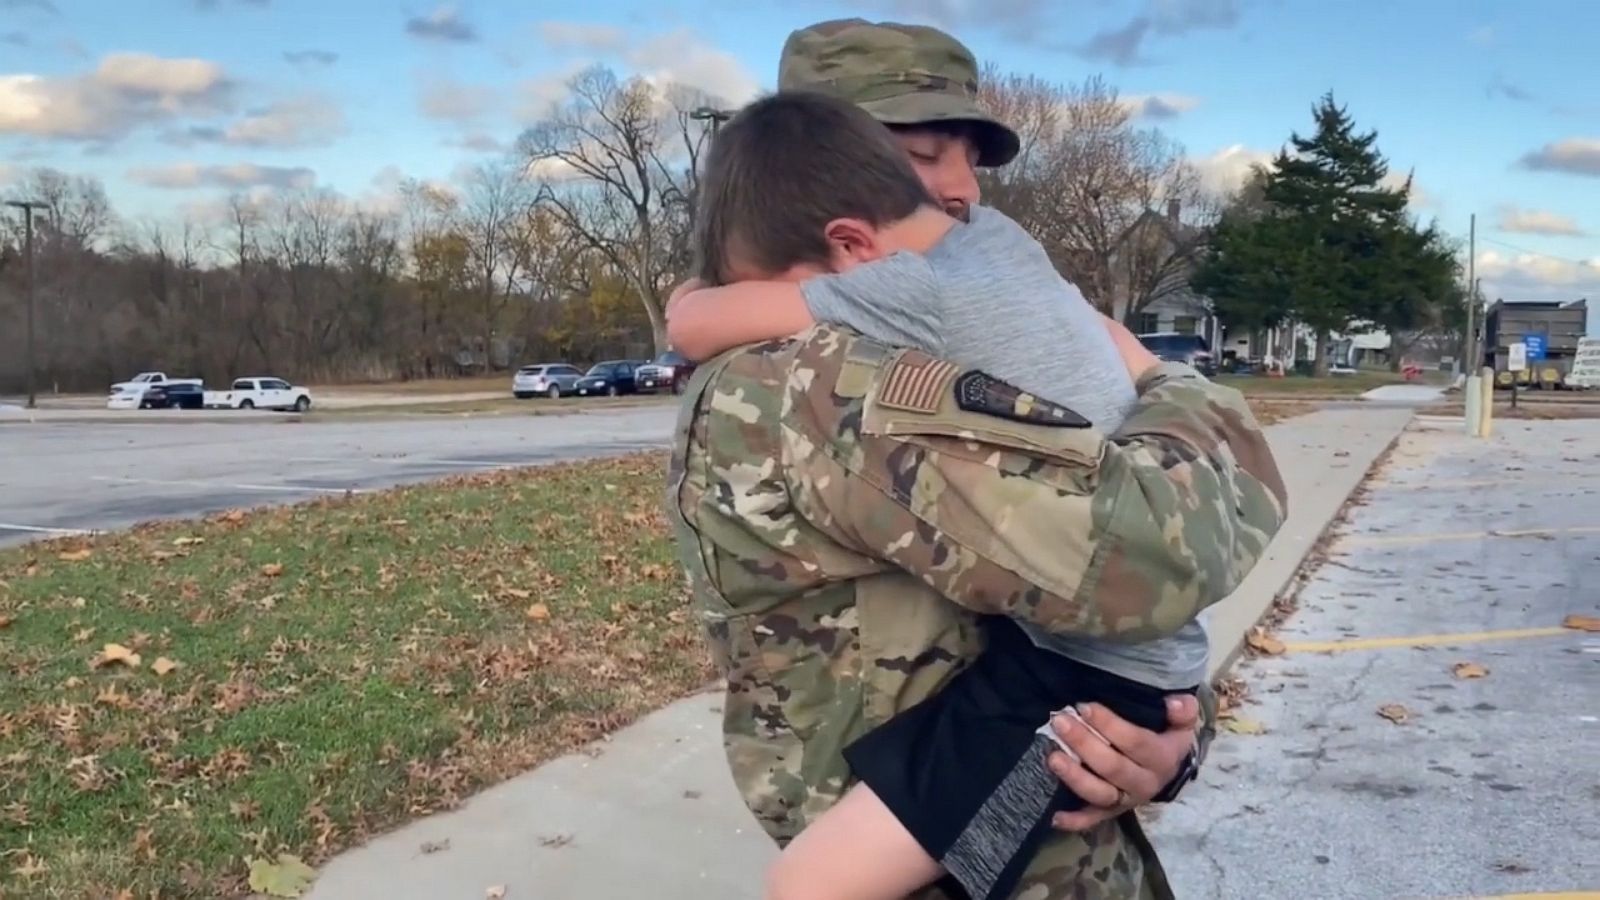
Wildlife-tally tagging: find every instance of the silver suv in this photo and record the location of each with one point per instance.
(553, 380)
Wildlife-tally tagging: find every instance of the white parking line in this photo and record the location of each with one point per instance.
(36, 529)
(283, 488)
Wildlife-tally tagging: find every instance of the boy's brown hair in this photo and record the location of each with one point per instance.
(783, 168)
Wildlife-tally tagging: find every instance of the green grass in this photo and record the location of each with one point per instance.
(1331, 386)
(344, 666)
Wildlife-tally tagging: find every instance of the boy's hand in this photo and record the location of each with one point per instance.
(1136, 356)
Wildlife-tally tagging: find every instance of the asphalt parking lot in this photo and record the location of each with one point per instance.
(1422, 733)
(67, 477)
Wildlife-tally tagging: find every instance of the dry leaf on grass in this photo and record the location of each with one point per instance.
(1265, 643)
(1395, 713)
(163, 666)
(1581, 623)
(272, 570)
(5, 620)
(1469, 670)
(115, 654)
(75, 555)
(1241, 725)
(287, 877)
(188, 541)
(538, 612)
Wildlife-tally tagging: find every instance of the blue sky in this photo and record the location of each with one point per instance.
(1484, 100)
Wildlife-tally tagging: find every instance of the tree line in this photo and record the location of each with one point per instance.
(567, 248)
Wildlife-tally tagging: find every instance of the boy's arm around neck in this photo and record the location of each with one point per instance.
(712, 320)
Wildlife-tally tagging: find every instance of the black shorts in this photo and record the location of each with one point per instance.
(964, 771)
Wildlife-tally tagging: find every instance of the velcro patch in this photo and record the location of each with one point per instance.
(981, 393)
(915, 383)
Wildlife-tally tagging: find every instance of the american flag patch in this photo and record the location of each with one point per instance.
(915, 382)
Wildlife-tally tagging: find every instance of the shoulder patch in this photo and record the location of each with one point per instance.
(982, 393)
(916, 382)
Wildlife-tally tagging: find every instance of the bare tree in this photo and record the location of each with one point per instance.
(1097, 191)
(617, 162)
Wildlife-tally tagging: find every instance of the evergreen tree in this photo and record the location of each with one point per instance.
(1317, 238)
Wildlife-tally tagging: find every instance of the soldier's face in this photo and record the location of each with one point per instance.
(947, 162)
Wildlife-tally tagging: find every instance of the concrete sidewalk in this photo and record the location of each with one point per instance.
(652, 811)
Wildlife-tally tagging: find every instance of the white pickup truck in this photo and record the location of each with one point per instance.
(130, 394)
(260, 393)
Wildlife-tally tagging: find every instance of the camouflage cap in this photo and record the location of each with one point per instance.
(901, 74)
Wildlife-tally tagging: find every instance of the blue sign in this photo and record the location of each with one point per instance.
(1535, 344)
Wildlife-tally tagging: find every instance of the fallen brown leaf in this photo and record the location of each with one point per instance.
(1581, 623)
(75, 555)
(538, 612)
(272, 570)
(1395, 713)
(113, 654)
(163, 666)
(286, 877)
(518, 594)
(1469, 670)
(5, 620)
(1241, 725)
(1265, 643)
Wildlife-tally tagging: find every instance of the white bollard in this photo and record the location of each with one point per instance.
(1474, 399)
(1486, 403)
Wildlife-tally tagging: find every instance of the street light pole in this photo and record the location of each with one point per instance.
(27, 207)
(714, 115)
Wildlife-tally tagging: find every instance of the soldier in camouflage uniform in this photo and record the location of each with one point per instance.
(825, 513)
(923, 84)
(823, 528)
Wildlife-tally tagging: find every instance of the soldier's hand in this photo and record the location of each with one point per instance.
(1126, 769)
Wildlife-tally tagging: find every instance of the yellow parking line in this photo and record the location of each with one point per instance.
(1470, 483)
(1377, 540)
(1421, 640)
(1552, 895)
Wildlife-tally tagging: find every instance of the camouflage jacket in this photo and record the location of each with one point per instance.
(832, 496)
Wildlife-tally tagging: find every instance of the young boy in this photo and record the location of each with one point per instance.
(811, 213)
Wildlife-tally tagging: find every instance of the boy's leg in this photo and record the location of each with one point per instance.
(857, 850)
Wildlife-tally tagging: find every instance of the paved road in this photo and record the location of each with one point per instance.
(1464, 551)
(88, 476)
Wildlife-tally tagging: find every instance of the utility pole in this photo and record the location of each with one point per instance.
(1473, 359)
(712, 114)
(27, 207)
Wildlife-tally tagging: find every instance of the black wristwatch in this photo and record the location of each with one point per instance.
(1187, 772)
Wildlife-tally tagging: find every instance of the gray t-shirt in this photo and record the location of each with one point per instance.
(988, 297)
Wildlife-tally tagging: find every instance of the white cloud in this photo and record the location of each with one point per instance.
(1158, 106)
(299, 122)
(677, 58)
(443, 98)
(1225, 171)
(126, 91)
(1538, 221)
(1576, 156)
(1529, 276)
(443, 24)
(232, 176)
(583, 36)
(680, 57)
